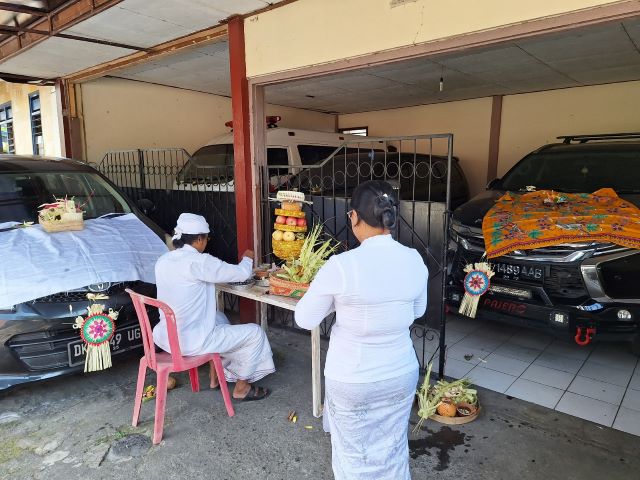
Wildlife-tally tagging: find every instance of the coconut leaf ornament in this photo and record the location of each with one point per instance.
(96, 331)
(476, 283)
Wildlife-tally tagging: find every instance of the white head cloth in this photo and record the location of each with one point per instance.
(190, 224)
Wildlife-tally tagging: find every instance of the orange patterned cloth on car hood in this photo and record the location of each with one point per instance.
(545, 218)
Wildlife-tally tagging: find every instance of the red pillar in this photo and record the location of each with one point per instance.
(241, 149)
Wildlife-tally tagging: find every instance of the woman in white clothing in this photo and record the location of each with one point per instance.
(371, 371)
(185, 278)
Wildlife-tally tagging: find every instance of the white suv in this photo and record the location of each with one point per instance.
(210, 168)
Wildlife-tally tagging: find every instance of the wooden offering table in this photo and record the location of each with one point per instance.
(262, 297)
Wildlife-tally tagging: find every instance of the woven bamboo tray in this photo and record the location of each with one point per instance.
(287, 250)
(289, 228)
(285, 288)
(455, 420)
(290, 213)
(61, 226)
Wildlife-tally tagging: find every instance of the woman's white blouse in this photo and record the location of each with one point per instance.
(377, 291)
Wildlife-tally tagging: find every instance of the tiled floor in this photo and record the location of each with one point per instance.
(600, 383)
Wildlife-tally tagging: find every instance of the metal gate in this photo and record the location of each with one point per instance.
(175, 184)
(419, 169)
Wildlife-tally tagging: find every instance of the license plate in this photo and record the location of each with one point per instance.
(123, 340)
(510, 271)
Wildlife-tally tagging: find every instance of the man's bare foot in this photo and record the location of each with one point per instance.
(241, 389)
(214, 383)
(246, 392)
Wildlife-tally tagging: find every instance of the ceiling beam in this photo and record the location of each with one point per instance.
(203, 37)
(13, 7)
(15, 78)
(23, 30)
(65, 16)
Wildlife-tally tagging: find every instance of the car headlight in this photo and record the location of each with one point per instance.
(99, 287)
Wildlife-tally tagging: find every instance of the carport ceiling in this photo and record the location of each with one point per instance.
(594, 55)
(205, 69)
(139, 24)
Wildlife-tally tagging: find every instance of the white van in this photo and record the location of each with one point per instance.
(210, 168)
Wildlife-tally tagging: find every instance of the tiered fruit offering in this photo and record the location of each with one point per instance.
(291, 223)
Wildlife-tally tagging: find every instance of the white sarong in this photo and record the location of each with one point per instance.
(368, 423)
(244, 349)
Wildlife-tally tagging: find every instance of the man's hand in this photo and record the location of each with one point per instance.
(249, 254)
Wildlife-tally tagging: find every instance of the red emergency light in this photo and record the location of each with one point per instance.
(272, 121)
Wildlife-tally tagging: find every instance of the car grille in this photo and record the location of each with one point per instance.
(565, 282)
(560, 281)
(47, 349)
(43, 350)
(81, 294)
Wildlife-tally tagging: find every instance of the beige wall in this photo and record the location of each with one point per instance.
(534, 119)
(18, 95)
(528, 122)
(311, 32)
(468, 120)
(122, 114)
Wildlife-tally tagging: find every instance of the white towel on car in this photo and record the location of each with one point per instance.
(34, 263)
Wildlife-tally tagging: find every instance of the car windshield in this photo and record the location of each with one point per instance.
(583, 172)
(209, 161)
(22, 193)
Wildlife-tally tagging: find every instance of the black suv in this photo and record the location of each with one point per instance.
(568, 289)
(37, 340)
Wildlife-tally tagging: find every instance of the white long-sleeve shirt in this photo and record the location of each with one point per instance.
(377, 290)
(185, 279)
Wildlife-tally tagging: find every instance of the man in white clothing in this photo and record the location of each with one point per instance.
(185, 278)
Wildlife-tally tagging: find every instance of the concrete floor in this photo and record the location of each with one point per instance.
(79, 428)
(599, 382)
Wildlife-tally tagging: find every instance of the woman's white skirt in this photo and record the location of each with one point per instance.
(368, 423)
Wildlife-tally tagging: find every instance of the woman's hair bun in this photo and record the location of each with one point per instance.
(386, 211)
(376, 204)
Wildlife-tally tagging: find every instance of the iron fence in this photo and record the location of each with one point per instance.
(174, 184)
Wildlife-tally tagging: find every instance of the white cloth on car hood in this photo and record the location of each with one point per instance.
(34, 263)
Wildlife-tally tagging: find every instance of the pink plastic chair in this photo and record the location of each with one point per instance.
(165, 363)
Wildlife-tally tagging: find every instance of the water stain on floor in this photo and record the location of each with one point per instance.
(445, 441)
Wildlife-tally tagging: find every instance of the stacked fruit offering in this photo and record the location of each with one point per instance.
(289, 228)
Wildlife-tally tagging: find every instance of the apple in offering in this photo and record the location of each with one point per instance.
(292, 221)
(281, 220)
(301, 222)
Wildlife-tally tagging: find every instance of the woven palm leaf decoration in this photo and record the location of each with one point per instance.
(96, 331)
(476, 283)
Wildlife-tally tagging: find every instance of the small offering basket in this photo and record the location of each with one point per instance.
(61, 216)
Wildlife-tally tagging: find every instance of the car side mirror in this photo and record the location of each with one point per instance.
(146, 205)
(493, 183)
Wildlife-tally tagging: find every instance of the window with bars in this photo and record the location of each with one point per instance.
(362, 131)
(36, 124)
(7, 142)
